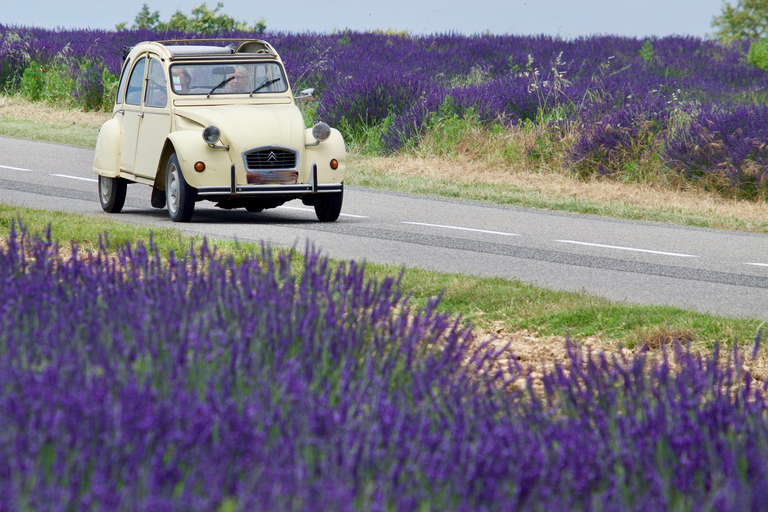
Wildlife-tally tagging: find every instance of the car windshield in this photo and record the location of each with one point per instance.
(230, 78)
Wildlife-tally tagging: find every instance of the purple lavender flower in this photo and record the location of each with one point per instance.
(130, 382)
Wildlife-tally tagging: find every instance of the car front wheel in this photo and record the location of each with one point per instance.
(328, 206)
(179, 196)
(112, 193)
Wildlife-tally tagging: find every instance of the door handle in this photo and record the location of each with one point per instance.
(141, 114)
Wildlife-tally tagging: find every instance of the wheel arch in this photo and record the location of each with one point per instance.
(168, 150)
(106, 157)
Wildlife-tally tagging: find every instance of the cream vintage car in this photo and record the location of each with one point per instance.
(215, 120)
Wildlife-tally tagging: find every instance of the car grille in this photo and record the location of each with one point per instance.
(270, 159)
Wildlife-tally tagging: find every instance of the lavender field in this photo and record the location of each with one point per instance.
(131, 381)
(692, 109)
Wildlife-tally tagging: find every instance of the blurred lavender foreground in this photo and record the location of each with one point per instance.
(130, 382)
(693, 108)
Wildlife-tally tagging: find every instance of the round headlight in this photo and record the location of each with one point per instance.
(321, 132)
(211, 134)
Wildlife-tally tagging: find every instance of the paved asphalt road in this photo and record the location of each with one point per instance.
(635, 262)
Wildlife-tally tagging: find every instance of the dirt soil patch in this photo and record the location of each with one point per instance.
(522, 353)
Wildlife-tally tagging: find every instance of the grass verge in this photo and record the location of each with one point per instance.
(738, 216)
(62, 133)
(490, 304)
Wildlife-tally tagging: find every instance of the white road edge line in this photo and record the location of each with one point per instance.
(461, 229)
(75, 177)
(629, 249)
(311, 210)
(758, 264)
(15, 168)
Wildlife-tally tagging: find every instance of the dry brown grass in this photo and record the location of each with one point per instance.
(463, 169)
(15, 107)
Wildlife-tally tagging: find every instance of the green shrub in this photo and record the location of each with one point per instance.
(32, 81)
(367, 140)
(647, 52)
(448, 126)
(758, 53)
(58, 85)
(110, 82)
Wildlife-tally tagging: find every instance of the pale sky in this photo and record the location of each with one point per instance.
(565, 18)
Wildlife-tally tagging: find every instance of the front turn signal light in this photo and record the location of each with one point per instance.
(334, 164)
(199, 166)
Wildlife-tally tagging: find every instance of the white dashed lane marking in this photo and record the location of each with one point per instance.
(75, 177)
(462, 229)
(15, 168)
(312, 210)
(620, 248)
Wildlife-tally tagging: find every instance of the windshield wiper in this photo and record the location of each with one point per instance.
(264, 84)
(221, 84)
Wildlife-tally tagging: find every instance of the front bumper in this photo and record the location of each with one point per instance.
(293, 190)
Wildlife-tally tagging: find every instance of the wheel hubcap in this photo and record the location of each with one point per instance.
(105, 186)
(173, 189)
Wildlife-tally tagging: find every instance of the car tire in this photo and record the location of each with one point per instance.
(179, 196)
(112, 193)
(328, 206)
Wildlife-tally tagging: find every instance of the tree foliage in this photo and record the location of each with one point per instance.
(202, 20)
(747, 20)
(758, 53)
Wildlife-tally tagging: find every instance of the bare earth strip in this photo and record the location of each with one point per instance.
(521, 355)
(555, 184)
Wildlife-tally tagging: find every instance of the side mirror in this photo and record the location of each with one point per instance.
(305, 95)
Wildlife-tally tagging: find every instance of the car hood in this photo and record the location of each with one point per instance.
(247, 126)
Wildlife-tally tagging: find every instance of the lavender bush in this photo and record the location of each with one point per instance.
(726, 149)
(624, 98)
(133, 382)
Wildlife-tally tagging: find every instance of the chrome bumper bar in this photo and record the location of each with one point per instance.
(235, 190)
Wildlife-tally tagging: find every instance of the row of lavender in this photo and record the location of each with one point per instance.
(695, 105)
(133, 383)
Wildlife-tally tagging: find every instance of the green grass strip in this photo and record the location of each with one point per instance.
(72, 134)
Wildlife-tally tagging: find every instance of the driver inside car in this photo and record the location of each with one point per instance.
(241, 82)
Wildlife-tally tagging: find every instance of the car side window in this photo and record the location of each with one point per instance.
(156, 94)
(133, 92)
(123, 76)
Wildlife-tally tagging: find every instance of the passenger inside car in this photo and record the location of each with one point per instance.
(181, 80)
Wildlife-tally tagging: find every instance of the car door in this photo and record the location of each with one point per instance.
(155, 119)
(131, 112)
